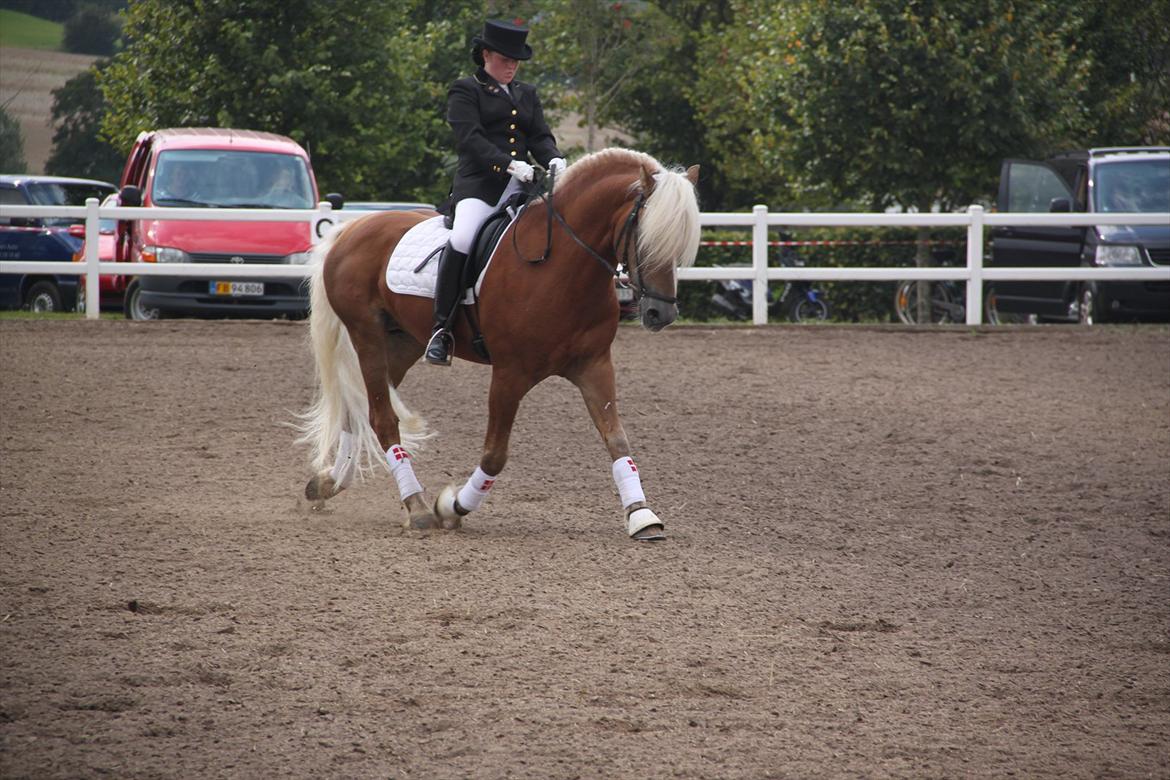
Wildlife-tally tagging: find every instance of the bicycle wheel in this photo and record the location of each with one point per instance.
(808, 310)
(906, 302)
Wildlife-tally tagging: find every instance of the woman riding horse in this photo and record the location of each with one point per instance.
(547, 307)
(497, 121)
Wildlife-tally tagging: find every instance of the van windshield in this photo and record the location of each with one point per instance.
(207, 178)
(1133, 186)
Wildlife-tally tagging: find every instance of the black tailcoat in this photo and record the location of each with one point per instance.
(493, 128)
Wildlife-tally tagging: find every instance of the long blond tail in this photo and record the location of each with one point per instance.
(340, 402)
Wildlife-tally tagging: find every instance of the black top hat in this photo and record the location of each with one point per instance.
(504, 37)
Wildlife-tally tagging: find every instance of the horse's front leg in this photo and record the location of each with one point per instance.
(503, 400)
(595, 380)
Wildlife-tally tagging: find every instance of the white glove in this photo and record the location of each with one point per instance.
(521, 171)
(556, 165)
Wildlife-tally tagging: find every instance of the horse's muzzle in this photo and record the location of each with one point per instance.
(657, 314)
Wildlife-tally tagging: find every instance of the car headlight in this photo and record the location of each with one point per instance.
(164, 254)
(298, 258)
(1118, 254)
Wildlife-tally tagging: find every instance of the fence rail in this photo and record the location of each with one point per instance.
(760, 220)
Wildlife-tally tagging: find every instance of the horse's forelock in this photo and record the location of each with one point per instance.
(668, 232)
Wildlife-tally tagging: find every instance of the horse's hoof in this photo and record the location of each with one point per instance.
(321, 487)
(644, 526)
(448, 509)
(651, 533)
(422, 521)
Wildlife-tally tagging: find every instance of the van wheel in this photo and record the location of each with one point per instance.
(133, 306)
(43, 297)
(1088, 307)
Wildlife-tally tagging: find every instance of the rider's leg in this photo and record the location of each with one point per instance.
(469, 215)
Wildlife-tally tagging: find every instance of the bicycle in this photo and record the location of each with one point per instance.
(800, 301)
(948, 304)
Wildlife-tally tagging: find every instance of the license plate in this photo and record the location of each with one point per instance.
(625, 294)
(237, 288)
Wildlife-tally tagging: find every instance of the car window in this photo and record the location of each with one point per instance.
(1032, 187)
(1141, 186)
(228, 179)
(43, 193)
(10, 197)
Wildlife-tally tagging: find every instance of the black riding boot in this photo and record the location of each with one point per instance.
(447, 294)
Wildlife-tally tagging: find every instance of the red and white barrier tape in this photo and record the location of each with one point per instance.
(830, 243)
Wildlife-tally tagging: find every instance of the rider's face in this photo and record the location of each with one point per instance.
(499, 67)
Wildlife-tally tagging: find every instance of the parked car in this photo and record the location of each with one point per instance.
(216, 168)
(1093, 181)
(42, 239)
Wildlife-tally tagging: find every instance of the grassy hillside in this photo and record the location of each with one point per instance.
(29, 32)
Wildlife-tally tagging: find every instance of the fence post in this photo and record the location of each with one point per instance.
(93, 288)
(975, 264)
(760, 265)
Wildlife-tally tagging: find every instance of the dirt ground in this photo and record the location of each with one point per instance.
(892, 553)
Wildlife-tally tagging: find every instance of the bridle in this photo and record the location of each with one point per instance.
(625, 247)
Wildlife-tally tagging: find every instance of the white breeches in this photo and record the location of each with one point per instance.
(470, 213)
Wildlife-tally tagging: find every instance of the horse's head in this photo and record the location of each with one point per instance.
(666, 217)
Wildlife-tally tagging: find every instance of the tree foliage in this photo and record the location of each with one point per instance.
(351, 82)
(78, 149)
(92, 30)
(11, 144)
(890, 103)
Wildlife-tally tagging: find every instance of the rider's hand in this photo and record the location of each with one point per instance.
(556, 165)
(521, 171)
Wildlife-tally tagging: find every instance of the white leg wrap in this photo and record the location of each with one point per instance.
(343, 466)
(399, 460)
(472, 494)
(629, 484)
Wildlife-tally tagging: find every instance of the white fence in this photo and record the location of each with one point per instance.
(760, 220)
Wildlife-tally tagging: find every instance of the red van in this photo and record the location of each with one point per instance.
(216, 168)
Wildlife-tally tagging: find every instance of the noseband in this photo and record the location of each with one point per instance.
(625, 248)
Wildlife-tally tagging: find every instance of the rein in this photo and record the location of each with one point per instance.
(626, 247)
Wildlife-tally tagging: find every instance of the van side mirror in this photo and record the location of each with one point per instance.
(335, 200)
(130, 196)
(1059, 206)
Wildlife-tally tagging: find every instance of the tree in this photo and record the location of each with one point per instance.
(92, 30)
(1128, 88)
(589, 52)
(78, 149)
(353, 82)
(11, 144)
(894, 104)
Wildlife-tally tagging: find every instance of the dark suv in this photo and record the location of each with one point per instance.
(1094, 181)
(37, 238)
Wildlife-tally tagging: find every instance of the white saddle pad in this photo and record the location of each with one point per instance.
(420, 241)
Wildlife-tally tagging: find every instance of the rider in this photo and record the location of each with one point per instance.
(497, 122)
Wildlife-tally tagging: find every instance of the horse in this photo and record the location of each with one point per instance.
(547, 306)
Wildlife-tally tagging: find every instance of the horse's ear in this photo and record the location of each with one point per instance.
(647, 181)
(693, 175)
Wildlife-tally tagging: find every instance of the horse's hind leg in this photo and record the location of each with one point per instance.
(595, 380)
(330, 482)
(384, 359)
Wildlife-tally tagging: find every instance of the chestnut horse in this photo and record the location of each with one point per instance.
(557, 317)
